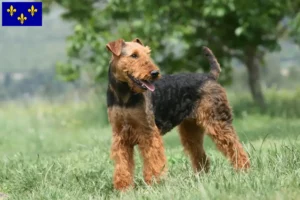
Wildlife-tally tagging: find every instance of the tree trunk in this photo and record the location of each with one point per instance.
(252, 65)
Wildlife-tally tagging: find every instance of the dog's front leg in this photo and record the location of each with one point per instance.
(153, 153)
(122, 154)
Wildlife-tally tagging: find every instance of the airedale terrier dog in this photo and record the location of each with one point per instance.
(143, 106)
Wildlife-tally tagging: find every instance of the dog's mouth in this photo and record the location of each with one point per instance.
(144, 84)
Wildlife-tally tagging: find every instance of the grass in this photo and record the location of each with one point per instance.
(62, 152)
(280, 103)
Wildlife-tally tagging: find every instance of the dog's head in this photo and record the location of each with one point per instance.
(131, 63)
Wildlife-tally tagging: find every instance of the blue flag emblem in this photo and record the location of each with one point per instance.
(22, 14)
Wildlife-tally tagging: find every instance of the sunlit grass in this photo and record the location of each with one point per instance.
(61, 151)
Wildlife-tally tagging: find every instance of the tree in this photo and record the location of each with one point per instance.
(176, 30)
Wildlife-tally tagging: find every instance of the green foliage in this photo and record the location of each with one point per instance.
(175, 31)
(295, 28)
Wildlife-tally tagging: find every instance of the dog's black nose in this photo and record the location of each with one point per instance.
(154, 73)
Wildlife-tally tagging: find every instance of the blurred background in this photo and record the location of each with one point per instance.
(53, 79)
(256, 42)
(57, 73)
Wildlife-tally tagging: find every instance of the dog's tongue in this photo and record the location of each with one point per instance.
(149, 85)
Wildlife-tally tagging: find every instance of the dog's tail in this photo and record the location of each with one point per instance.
(215, 68)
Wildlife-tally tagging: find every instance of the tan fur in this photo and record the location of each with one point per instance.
(123, 65)
(136, 125)
(191, 136)
(214, 114)
(215, 68)
(132, 127)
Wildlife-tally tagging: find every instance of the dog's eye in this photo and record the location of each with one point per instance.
(134, 55)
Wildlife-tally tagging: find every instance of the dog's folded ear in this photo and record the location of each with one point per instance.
(116, 46)
(137, 40)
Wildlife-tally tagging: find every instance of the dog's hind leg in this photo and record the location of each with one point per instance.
(214, 114)
(191, 136)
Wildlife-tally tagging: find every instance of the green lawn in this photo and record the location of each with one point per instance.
(62, 152)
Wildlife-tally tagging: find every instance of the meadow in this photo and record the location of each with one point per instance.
(61, 151)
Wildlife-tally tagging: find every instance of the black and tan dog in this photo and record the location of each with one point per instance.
(143, 106)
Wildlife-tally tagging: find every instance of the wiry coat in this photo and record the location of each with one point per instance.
(140, 115)
(175, 97)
